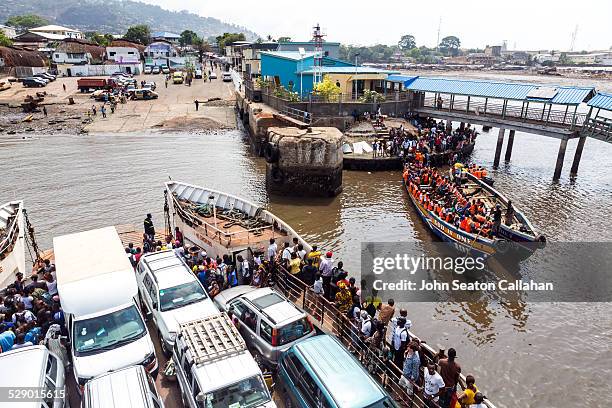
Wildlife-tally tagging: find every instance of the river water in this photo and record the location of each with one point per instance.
(535, 354)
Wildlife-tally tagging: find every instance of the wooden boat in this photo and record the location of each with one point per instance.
(517, 239)
(222, 223)
(12, 242)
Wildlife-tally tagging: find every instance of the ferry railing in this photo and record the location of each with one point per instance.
(375, 360)
(543, 115)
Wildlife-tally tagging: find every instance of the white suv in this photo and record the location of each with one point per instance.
(170, 294)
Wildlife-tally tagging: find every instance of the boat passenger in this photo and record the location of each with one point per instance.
(466, 398)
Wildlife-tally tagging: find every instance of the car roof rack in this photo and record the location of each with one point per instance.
(211, 338)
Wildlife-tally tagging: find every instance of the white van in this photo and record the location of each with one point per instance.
(114, 389)
(38, 370)
(97, 288)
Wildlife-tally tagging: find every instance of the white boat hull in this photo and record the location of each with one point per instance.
(222, 243)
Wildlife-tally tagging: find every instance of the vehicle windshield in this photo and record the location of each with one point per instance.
(181, 295)
(108, 332)
(293, 331)
(251, 392)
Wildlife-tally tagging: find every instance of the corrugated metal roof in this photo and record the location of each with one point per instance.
(566, 95)
(602, 100)
(401, 78)
(349, 70)
(291, 55)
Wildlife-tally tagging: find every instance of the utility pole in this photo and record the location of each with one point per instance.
(439, 26)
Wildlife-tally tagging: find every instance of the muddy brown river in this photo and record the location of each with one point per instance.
(522, 354)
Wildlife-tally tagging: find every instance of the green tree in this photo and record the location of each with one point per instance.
(5, 41)
(228, 38)
(201, 46)
(407, 42)
(25, 22)
(450, 45)
(140, 33)
(188, 37)
(564, 59)
(100, 39)
(328, 90)
(284, 39)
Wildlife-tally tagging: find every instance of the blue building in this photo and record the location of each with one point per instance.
(285, 68)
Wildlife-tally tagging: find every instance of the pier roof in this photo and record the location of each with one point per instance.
(290, 55)
(558, 95)
(602, 100)
(404, 79)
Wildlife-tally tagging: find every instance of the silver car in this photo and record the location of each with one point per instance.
(269, 323)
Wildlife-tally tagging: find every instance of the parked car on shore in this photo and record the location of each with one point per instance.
(143, 94)
(227, 77)
(198, 74)
(269, 323)
(165, 69)
(213, 75)
(151, 85)
(33, 82)
(156, 69)
(147, 69)
(45, 75)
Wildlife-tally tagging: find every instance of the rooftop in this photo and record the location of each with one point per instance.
(560, 95)
(306, 43)
(165, 34)
(290, 55)
(602, 101)
(48, 36)
(53, 28)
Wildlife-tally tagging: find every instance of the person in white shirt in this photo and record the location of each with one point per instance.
(318, 285)
(479, 401)
(286, 255)
(272, 249)
(366, 324)
(434, 386)
(399, 341)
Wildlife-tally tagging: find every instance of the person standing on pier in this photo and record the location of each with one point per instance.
(197, 104)
(272, 248)
(434, 387)
(326, 269)
(148, 227)
(399, 340)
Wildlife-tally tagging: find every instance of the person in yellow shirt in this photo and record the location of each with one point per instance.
(467, 396)
(315, 255)
(294, 264)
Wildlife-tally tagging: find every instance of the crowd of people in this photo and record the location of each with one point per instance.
(372, 322)
(30, 311)
(445, 198)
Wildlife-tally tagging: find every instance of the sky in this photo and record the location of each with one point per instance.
(524, 24)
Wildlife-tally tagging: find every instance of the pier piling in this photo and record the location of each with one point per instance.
(577, 156)
(500, 145)
(560, 157)
(509, 146)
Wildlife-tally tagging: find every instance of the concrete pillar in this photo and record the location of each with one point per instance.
(560, 157)
(577, 156)
(509, 146)
(500, 144)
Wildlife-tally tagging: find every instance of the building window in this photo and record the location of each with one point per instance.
(112, 53)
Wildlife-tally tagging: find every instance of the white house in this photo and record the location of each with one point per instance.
(71, 51)
(8, 31)
(122, 54)
(65, 32)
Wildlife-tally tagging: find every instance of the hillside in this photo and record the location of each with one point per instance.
(115, 16)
